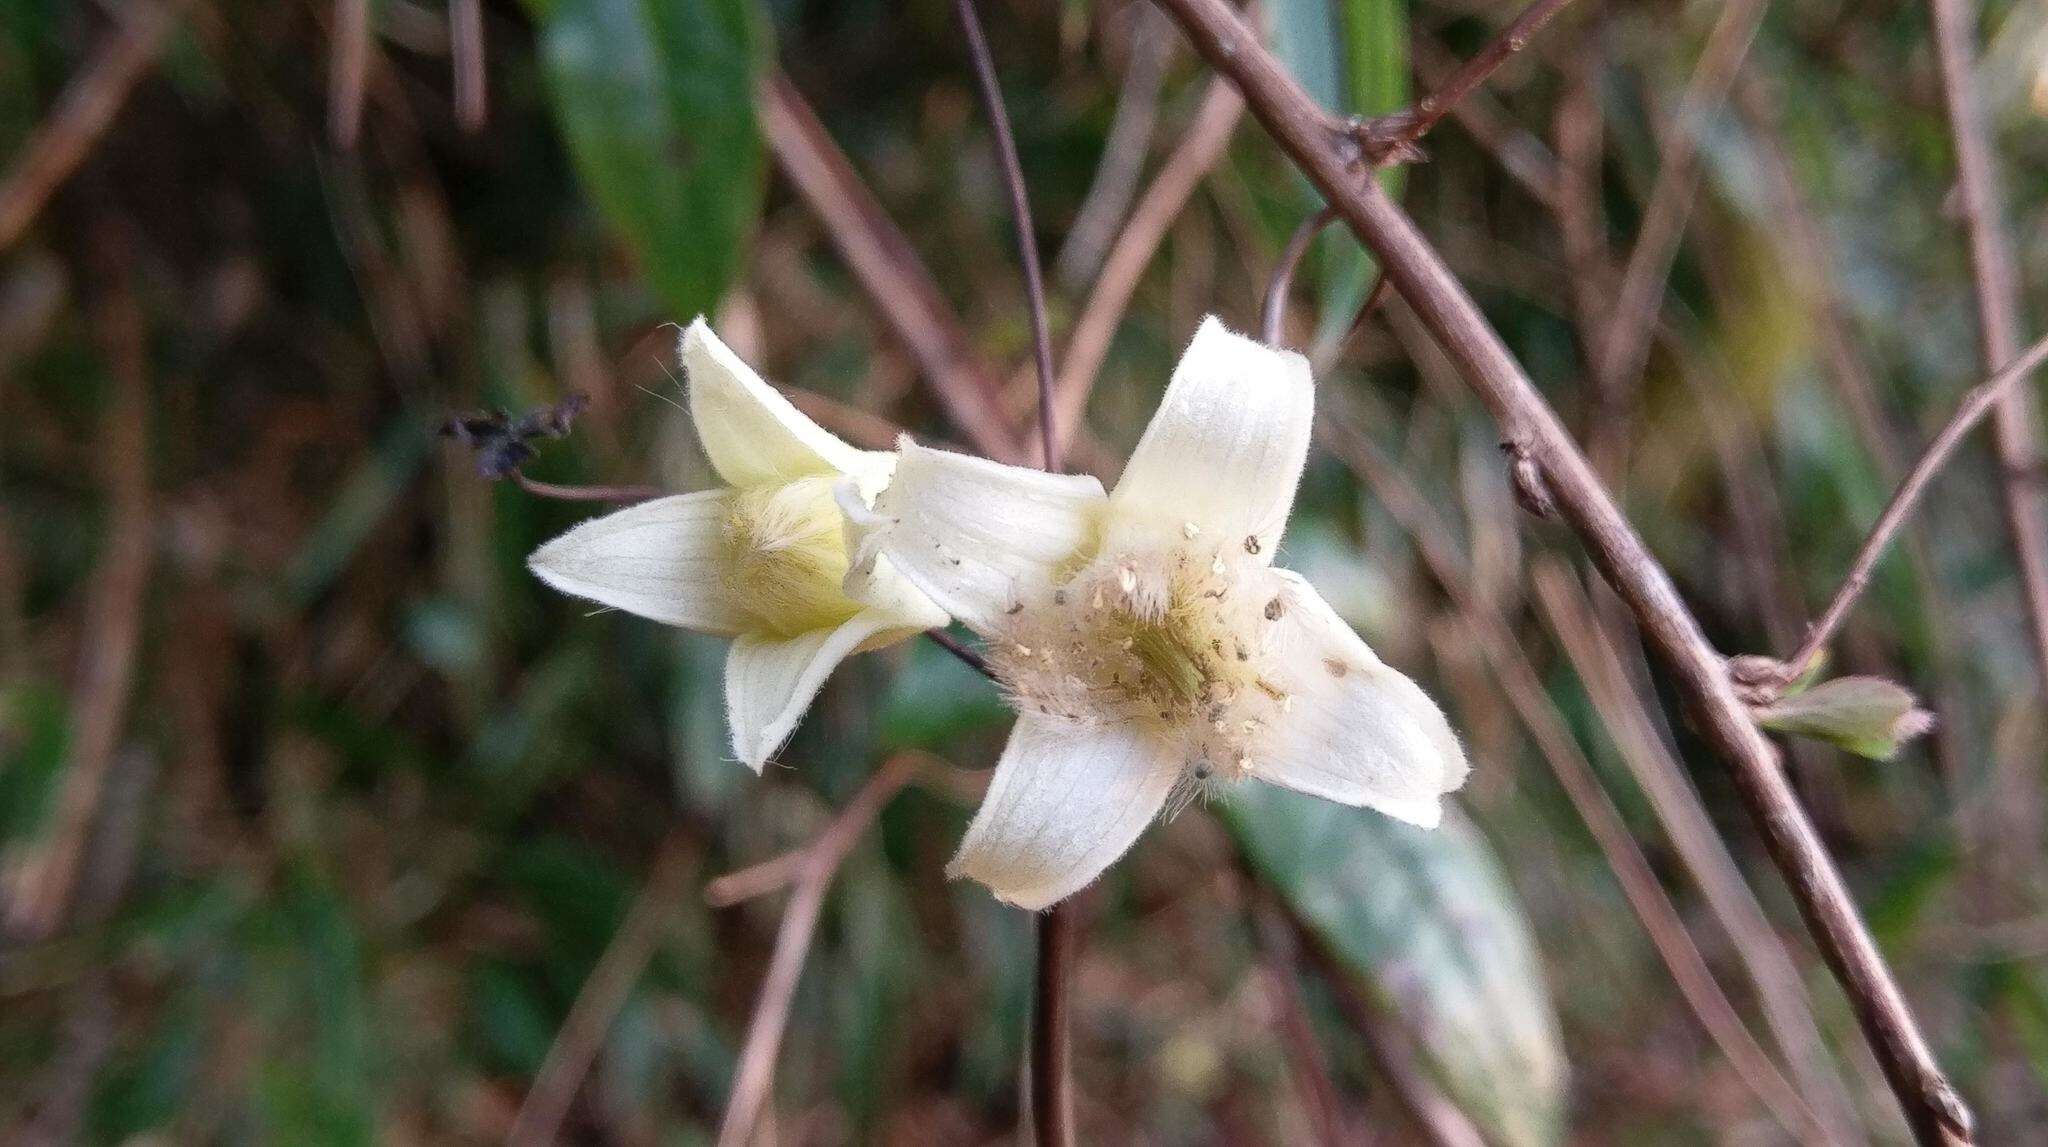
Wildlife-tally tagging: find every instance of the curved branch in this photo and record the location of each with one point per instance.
(1334, 162)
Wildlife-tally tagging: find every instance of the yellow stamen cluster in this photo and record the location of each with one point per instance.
(1177, 640)
(788, 556)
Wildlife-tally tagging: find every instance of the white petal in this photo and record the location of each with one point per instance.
(1223, 452)
(976, 536)
(873, 580)
(1355, 731)
(877, 586)
(1066, 801)
(752, 434)
(665, 559)
(769, 681)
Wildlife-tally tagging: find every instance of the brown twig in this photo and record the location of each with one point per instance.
(1575, 774)
(622, 494)
(1620, 354)
(1058, 928)
(1276, 939)
(1683, 815)
(756, 1073)
(1274, 315)
(1123, 150)
(1980, 401)
(1439, 1121)
(1052, 1039)
(348, 71)
(1812, 263)
(1088, 344)
(1998, 328)
(597, 1004)
(1391, 138)
(889, 271)
(1331, 159)
(82, 114)
(972, 659)
(466, 57)
(1520, 154)
(41, 886)
(1020, 215)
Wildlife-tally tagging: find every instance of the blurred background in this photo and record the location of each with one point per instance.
(321, 821)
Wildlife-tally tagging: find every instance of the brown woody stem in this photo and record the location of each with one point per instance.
(1335, 162)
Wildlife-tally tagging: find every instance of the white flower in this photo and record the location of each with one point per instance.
(1150, 647)
(763, 561)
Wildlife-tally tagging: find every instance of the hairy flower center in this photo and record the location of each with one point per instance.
(788, 555)
(1177, 641)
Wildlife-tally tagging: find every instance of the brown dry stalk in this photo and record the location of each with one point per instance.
(40, 884)
(348, 71)
(82, 115)
(1678, 808)
(1621, 353)
(1390, 137)
(755, 1075)
(889, 271)
(1998, 329)
(1981, 400)
(1088, 343)
(466, 57)
(1525, 158)
(597, 1004)
(1331, 157)
(1115, 183)
(1575, 774)
(1276, 940)
(1439, 1122)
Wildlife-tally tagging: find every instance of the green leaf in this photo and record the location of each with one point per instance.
(656, 103)
(316, 1084)
(934, 699)
(1430, 924)
(1375, 55)
(1305, 38)
(1868, 716)
(35, 742)
(1352, 56)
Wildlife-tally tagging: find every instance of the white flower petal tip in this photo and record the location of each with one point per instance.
(1357, 732)
(1225, 449)
(770, 682)
(1066, 802)
(664, 560)
(751, 433)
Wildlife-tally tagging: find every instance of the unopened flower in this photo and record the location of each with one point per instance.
(1151, 649)
(763, 561)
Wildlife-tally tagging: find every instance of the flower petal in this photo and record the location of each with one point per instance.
(665, 559)
(1067, 800)
(770, 681)
(752, 434)
(974, 535)
(1223, 452)
(1356, 731)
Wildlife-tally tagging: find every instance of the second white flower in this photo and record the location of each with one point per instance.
(1150, 647)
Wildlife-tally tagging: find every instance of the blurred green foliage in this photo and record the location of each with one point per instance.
(379, 804)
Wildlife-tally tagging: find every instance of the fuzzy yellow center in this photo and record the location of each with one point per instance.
(1177, 641)
(788, 556)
